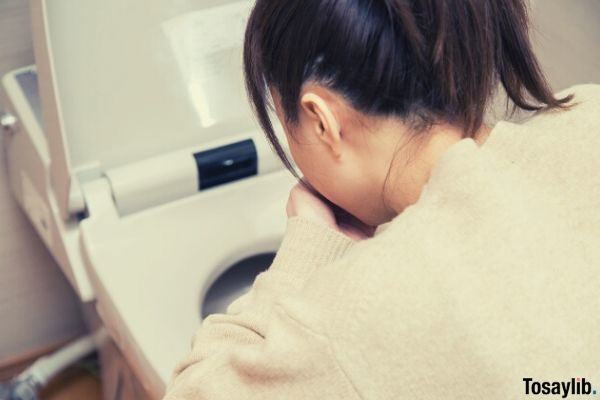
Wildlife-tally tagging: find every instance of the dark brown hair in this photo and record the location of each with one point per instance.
(424, 60)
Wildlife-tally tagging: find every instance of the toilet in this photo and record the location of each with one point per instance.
(135, 155)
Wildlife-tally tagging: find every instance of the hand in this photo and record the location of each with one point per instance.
(309, 204)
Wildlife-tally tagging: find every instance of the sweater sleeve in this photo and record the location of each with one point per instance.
(306, 245)
(258, 351)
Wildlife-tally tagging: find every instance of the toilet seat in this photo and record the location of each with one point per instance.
(136, 264)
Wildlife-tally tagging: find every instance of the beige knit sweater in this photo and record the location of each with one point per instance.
(492, 277)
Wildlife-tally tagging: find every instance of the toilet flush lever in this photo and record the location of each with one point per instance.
(8, 121)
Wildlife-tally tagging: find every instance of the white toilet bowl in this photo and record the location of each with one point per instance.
(151, 271)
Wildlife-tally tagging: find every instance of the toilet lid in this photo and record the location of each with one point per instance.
(127, 80)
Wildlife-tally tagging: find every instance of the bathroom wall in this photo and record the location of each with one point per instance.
(566, 36)
(38, 309)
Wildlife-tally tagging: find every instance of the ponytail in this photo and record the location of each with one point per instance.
(425, 60)
(518, 68)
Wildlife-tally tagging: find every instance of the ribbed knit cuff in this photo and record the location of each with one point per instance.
(307, 245)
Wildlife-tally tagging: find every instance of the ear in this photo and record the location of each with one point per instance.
(322, 121)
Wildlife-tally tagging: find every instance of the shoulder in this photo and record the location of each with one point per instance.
(588, 93)
(548, 139)
(581, 116)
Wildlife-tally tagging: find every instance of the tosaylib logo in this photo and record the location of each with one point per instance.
(576, 386)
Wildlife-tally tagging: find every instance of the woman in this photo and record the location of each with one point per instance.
(484, 282)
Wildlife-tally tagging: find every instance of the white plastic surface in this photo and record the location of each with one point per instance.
(154, 181)
(172, 176)
(123, 91)
(151, 270)
(123, 81)
(28, 161)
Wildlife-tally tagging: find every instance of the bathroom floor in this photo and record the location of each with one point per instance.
(73, 384)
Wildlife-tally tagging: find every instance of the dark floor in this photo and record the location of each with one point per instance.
(74, 384)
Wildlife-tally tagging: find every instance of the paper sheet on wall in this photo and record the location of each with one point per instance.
(207, 45)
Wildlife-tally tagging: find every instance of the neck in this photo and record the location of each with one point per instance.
(412, 168)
